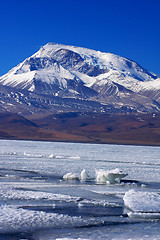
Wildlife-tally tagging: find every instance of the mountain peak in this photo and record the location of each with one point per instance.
(80, 73)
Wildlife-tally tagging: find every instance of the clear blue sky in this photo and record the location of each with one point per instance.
(129, 28)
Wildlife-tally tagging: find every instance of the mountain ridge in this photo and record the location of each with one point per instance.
(66, 73)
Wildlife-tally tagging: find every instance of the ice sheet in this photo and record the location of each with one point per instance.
(144, 202)
(34, 195)
(18, 219)
(28, 195)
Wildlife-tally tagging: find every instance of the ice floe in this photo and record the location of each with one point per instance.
(64, 156)
(8, 153)
(112, 176)
(142, 204)
(144, 215)
(103, 203)
(102, 176)
(70, 176)
(33, 155)
(84, 175)
(20, 219)
(34, 195)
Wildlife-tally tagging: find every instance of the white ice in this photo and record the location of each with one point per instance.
(142, 204)
(13, 219)
(84, 175)
(144, 215)
(102, 176)
(70, 176)
(33, 155)
(9, 193)
(112, 176)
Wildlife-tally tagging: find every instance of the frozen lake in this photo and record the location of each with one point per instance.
(44, 196)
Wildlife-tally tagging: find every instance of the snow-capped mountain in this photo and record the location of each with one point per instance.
(62, 73)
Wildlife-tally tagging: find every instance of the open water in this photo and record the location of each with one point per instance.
(37, 203)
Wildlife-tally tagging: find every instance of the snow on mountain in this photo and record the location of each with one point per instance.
(106, 61)
(54, 61)
(81, 73)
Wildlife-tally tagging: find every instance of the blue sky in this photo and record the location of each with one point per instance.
(127, 28)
